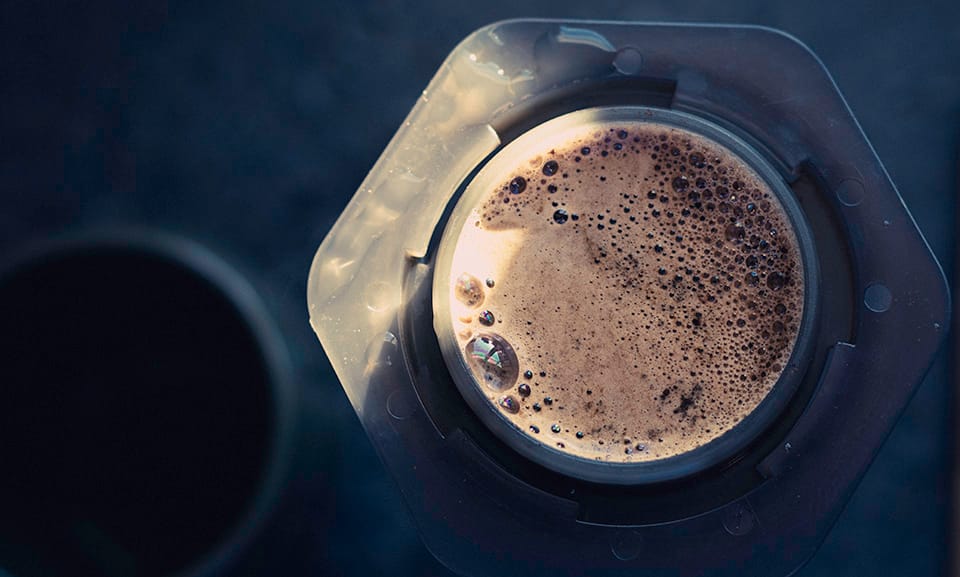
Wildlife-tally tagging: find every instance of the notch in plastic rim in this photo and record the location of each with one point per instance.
(710, 454)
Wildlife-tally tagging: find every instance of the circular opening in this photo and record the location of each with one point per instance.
(138, 413)
(625, 295)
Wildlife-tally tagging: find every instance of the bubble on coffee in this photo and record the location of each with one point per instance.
(493, 361)
(645, 282)
(469, 291)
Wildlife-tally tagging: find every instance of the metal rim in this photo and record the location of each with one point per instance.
(717, 450)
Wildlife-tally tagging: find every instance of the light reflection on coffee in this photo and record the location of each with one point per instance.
(627, 293)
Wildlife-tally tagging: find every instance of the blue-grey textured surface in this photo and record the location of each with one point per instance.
(248, 125)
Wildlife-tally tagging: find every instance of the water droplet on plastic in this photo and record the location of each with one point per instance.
(379, 296)
(628, 61)
(850, 192)
(878, 298)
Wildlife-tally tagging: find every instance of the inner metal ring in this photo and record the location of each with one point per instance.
(681, 465)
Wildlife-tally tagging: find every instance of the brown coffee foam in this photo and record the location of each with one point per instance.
(637, 315)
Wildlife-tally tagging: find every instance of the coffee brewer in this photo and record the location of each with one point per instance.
(756, 500)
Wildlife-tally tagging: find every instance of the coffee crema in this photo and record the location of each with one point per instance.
(627, 292)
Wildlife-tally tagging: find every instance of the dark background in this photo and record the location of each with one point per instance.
(248, 125)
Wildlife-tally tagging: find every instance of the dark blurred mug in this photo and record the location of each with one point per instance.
(144, 408)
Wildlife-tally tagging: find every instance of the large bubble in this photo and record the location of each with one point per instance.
(493, 361)
(469, 291)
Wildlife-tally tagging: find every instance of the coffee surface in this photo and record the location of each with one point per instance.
(626, 292)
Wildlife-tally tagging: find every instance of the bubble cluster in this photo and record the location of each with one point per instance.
(650, 292)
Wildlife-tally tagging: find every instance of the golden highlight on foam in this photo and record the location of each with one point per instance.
(628, 293)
